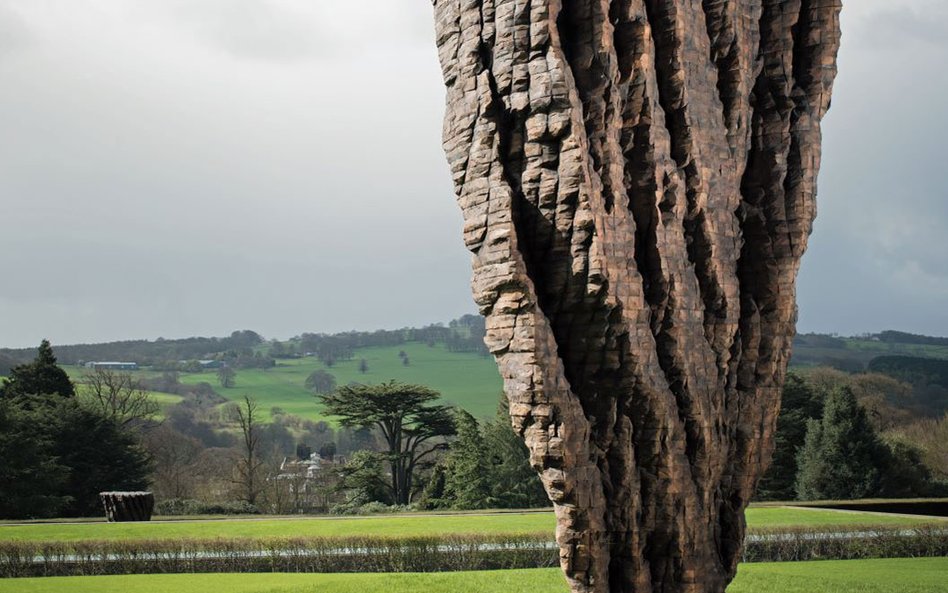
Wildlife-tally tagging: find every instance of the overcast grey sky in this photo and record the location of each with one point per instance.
(191, 167)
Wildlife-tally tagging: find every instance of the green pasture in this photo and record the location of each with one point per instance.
(880, 348)
(164, 400)
(915, 575)
(861, 351)
(395, 526)
(466, 380)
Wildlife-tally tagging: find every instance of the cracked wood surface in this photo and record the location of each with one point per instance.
(638, 182)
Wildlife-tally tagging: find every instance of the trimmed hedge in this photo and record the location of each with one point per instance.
(418, 554)
(357, 554)
(858, 544)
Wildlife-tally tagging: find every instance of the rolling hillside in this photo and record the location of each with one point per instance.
(469, 380)
(466, 380)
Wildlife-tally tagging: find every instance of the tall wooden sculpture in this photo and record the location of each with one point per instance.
(638, 181)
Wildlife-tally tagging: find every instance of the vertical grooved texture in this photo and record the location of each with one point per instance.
(638, 182)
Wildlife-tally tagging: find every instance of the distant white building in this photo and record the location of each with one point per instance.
(113, 366)
(293, 468)
(308, 484)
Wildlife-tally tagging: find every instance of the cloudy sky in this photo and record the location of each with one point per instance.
(183, 167)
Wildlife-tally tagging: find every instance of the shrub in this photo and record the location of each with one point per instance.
(184, 506)
(363, 506)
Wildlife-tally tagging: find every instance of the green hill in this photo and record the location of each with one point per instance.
(853, 354)
(449, 359)
(467, 380)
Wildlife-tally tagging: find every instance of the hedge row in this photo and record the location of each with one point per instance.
(858, 544)
(357, 554)
(418, 554)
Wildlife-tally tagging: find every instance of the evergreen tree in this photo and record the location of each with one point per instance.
(31, 478)
(57, 454)
(40, 377)
(907, 476)
(801, 402)
(487, 466)
(513, 481)
(842, 457)
(412, 425)
(432, 495)
(363, 480)
(99, 455)
(466, 470)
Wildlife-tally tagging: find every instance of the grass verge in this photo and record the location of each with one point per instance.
(926, 575)
(758, 518)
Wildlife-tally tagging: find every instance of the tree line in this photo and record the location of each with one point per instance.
(63, 443)
(844, 437)
(432, 456)
(146, 352)
(839, 436)
(465, 334)
(58, 452)
(248, 349)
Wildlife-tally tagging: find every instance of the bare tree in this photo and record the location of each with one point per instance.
(276, 491)
(249, 467)
(176, 458)
(638, 182)
(119, 396)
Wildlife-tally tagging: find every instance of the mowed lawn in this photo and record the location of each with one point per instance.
(464, 379)
(915, 575)
(394, 526)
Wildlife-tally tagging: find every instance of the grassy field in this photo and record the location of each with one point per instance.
(760, 518)
(467, 380)
(917, 575)
(164, 400)
(859, 351)
(877, 348)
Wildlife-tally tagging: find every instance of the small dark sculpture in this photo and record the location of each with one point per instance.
(128, 506)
